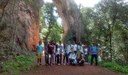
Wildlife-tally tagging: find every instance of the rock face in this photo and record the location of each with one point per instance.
(70, 14)
(19, 26)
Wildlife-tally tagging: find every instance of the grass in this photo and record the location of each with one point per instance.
(113, 66)
(20, 63)
(116, 67)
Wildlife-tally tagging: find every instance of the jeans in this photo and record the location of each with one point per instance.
(94, 56)
(46, 59)
(51, 59)
(58, 59)
(66, 57)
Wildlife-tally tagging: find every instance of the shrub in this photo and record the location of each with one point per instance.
(20, 63)
(114, 66)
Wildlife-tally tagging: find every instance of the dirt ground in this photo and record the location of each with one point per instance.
(87, 69)
(70, 70)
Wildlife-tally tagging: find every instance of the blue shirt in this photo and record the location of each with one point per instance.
(40, 49)
(94, 50)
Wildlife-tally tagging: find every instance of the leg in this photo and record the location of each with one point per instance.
(60, 58)
(66, 58)
(86, 58)
(37, 60)
(46, 59)
(92, 57)
(50, 59)
(75, 52)
(40, 58)
(57, 58)
(96, 59)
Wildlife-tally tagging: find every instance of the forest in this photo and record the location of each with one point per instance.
(105, 24)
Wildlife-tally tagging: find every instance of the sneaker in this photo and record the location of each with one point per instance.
(40, 64)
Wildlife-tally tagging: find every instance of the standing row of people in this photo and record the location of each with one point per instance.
(69, 53)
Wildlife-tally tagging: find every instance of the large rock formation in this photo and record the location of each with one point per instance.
(19, 26)
(70, 14)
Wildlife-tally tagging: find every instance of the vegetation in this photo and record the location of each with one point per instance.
(20, 63)
(107, 26)
(114, 66)
(51, 29)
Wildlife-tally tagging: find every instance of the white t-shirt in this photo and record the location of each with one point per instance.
(81, 49)
(72, 56)
(85, 51)
(75, 47)
(68, 49)
(58, 51)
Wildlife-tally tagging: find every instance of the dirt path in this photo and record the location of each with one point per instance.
(70, 70)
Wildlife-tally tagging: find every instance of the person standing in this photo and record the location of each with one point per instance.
(61, 47)
(40, 48)
(94, 54)
(66, 51)
(75, 46)
(58, 55)
(86, 52)
(50, 52)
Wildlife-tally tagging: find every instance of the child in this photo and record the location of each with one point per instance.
(39, 52)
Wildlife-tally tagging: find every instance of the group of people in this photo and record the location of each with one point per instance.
(69, 53)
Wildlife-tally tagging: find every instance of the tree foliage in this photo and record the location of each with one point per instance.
(53, 29)
(106, 25)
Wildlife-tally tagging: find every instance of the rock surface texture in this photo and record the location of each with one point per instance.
(70, 14)
(19, 26)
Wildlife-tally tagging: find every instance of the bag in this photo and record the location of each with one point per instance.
(99, 58)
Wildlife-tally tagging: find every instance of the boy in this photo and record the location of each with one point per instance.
(51, 52)
(39, 52)
(94, 54)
